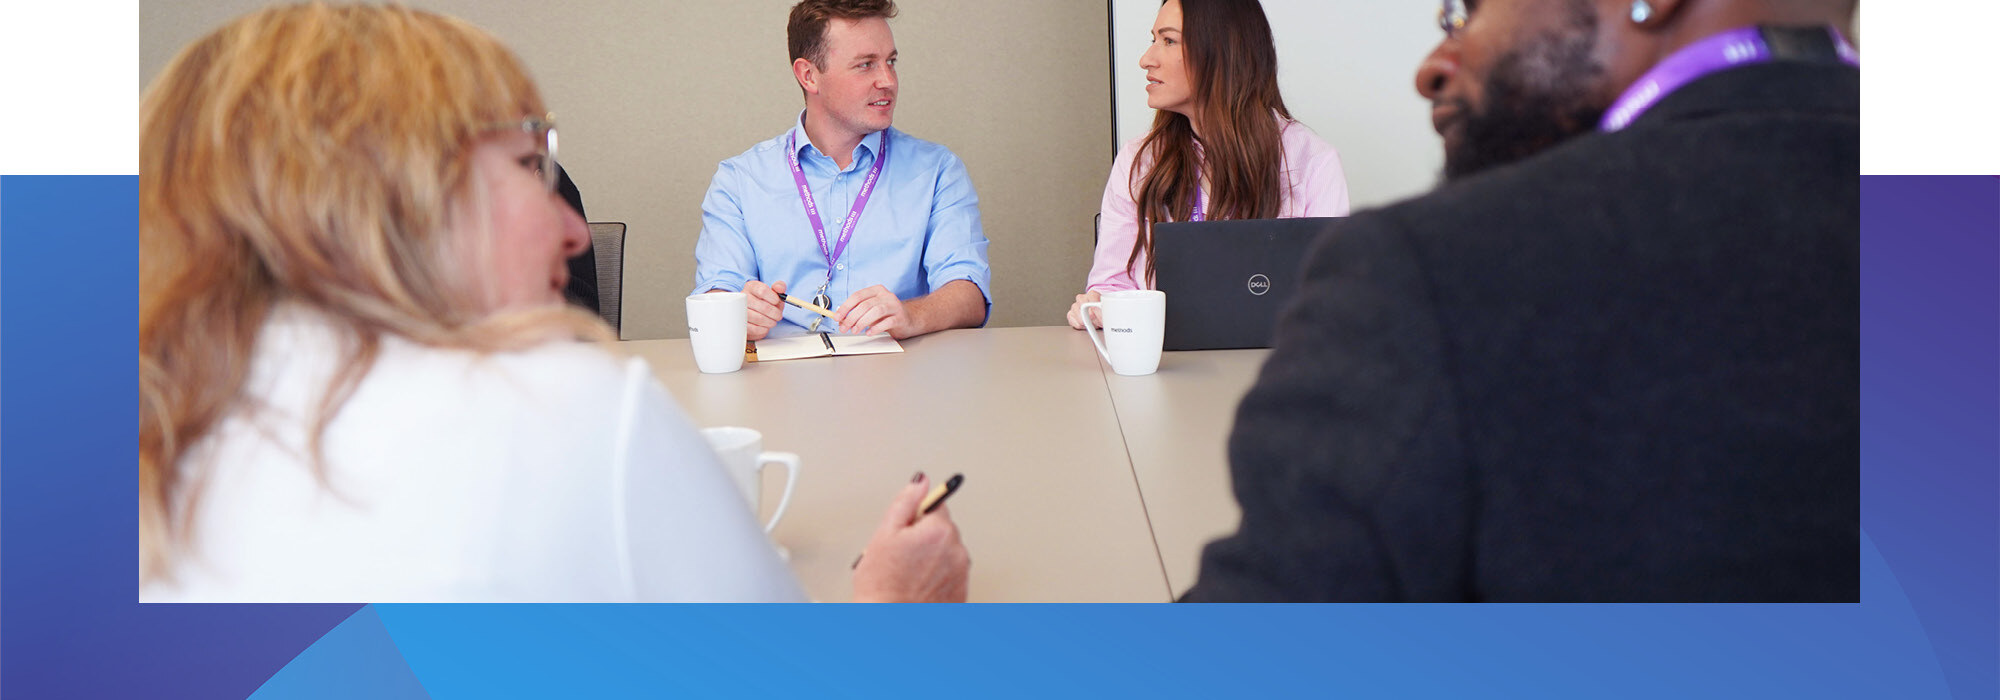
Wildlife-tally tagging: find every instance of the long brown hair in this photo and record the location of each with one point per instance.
(314, 155)
(1233, 66)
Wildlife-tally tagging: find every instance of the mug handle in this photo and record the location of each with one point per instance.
(791, 462)
(1091, 330)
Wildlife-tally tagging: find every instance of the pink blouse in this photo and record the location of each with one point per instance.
(1314, 186)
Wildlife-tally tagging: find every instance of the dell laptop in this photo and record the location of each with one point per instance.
(1226, 281)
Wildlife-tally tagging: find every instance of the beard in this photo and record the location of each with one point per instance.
(1538, 96)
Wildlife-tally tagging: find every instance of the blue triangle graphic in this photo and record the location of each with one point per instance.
(358, 659)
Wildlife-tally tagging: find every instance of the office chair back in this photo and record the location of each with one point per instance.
(607, 241)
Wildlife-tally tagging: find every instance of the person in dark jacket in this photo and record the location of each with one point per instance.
(1614, 357)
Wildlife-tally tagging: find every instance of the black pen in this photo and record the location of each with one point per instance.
(930, 503)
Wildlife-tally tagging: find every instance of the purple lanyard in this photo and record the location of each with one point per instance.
(853, 215)
(1200, 212)
(1736, 47)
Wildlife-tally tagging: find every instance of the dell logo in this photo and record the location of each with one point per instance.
(1259, 284)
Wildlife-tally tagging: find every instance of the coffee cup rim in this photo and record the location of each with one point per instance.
(731, 437)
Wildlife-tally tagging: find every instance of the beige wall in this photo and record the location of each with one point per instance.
(652, 94)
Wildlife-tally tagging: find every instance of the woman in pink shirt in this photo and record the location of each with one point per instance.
(1222, 145)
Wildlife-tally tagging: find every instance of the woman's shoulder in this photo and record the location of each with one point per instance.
(1131, 146)
(1128, 153)
(1317, 180)
(299, 355)
(1301, 141)
(561, 374)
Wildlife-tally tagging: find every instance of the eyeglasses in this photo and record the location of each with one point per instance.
(1452, 17)
(543, 130)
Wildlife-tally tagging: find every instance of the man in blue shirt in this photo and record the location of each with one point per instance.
(843, 207)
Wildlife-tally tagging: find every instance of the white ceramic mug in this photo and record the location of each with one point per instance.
(718, 325)
(1135, 322)
(742, 453)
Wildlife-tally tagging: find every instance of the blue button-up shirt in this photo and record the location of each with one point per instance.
(921, 228)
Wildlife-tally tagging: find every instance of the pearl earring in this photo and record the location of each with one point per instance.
(1641, 11)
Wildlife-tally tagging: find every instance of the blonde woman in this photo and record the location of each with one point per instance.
(357, 378)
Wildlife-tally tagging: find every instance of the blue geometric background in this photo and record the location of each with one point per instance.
(1926, 626)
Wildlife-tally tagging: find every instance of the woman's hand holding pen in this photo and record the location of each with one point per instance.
(766, 307)
(913, 557)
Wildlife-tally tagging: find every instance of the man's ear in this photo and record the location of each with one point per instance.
(807, 74)
(1647, 14)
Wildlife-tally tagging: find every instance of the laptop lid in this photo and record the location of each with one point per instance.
(1226, 281)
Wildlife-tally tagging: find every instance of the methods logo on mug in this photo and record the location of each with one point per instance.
(1118, 330)
(1259, 284)
(693, 330)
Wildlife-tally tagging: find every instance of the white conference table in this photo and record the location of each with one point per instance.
(1081, 485)
(1176, 423)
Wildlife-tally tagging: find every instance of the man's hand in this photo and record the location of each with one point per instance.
(958, 304)
(765, 307)
(874, 310)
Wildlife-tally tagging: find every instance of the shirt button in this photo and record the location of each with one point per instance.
(840, 266)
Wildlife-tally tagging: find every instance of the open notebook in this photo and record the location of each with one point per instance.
(818, 345)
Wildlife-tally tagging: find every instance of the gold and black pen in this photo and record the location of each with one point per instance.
(807, 305)
(930, 503)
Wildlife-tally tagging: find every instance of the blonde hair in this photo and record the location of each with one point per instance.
(312, 154)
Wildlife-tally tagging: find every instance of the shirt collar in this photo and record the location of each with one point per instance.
(871, 143)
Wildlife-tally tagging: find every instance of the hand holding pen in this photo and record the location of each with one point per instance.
(764, 307)
(807, 305)
(914, 556)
